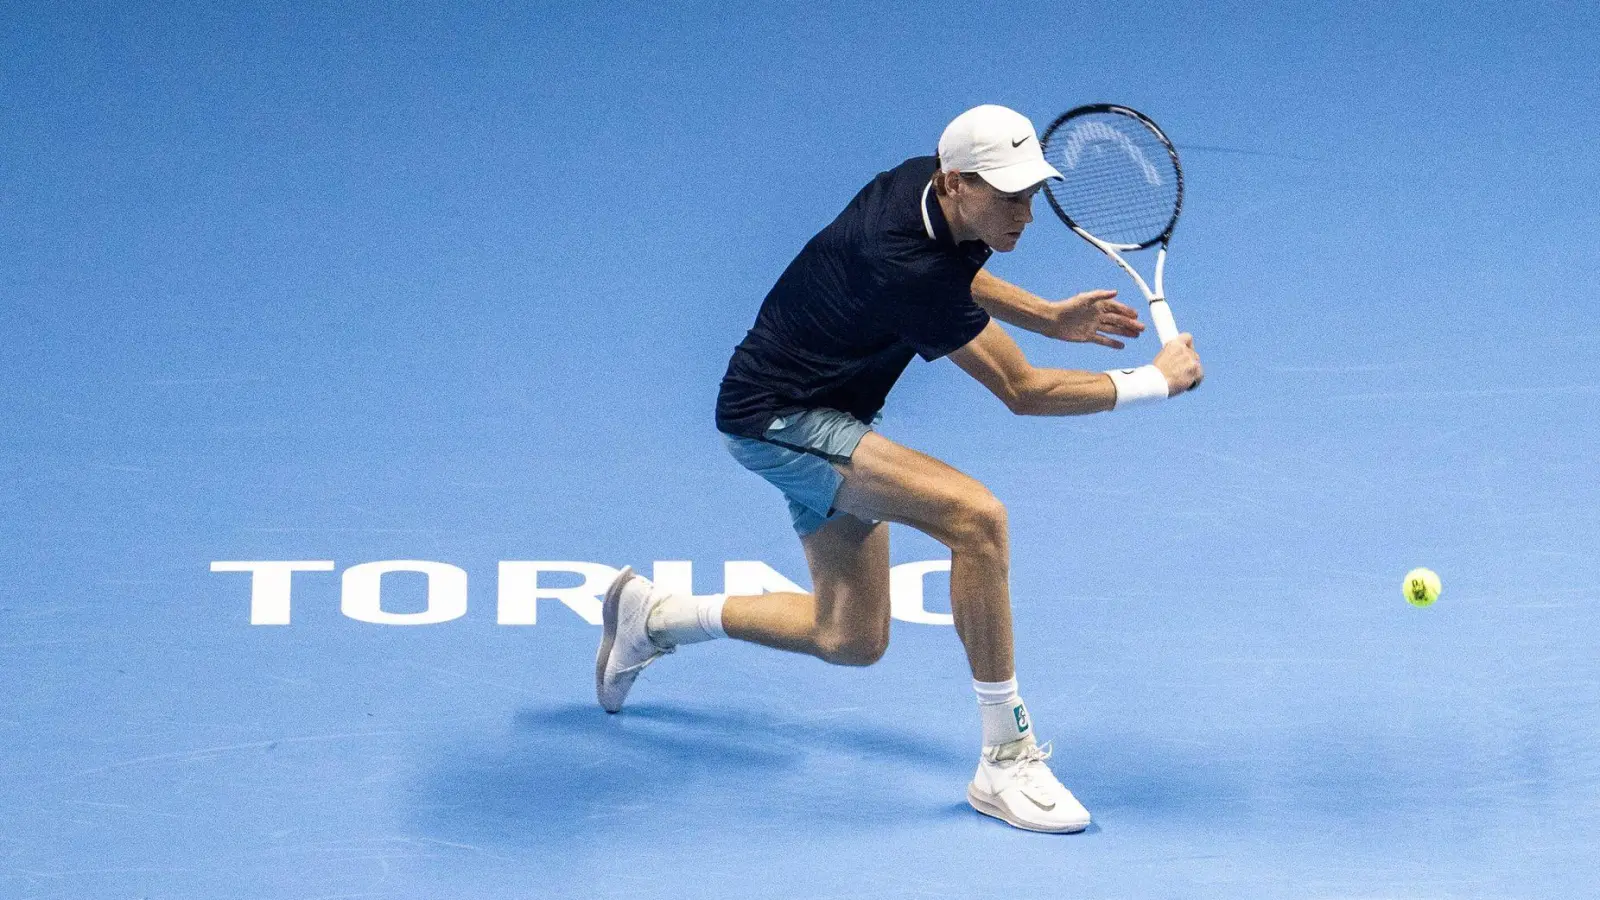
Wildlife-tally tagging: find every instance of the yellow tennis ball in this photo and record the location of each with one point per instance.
(1421, 587)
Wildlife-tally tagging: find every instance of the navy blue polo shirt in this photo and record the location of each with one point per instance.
(884, 282)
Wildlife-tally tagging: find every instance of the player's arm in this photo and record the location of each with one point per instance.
(1011, 304)
(995, 360)
(1081, 318)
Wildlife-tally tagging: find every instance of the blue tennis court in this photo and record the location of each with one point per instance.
(351, 349)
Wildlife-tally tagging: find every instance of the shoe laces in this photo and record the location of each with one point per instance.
(641, 664)
(1029, 767)
(658, 650)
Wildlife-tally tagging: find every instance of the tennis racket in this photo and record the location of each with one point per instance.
(1122, 189)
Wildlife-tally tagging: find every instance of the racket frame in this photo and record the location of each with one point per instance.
(1160, 311)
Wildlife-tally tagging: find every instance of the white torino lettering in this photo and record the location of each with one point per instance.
(742, 577)
(906, 593)
(520, 592)
(269, 584)
(362, 594)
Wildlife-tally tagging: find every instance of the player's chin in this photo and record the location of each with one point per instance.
(1006, 242)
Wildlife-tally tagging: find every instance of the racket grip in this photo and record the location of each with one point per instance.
(1161, 315)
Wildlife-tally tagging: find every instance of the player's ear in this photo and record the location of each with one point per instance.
(968, 181)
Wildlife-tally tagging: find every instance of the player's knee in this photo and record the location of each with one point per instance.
(856, 648)
(981, 525)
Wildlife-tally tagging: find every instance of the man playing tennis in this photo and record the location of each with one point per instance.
(899, 274)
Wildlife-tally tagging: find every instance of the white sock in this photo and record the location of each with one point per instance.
(1004, 715)
(679, 619)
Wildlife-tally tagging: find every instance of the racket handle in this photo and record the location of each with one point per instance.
(1166, 327)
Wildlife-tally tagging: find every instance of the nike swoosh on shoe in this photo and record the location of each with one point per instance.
(1037, 802)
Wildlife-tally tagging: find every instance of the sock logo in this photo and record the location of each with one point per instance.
(1021, 712)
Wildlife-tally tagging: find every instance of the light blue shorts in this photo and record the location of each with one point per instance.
(796, 454)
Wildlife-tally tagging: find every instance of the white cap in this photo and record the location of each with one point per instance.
(997, 143)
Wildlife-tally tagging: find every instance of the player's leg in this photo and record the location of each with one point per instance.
(835, 505)
(884, 480)
(866, 478)
(845, 620)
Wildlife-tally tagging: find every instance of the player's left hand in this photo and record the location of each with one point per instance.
(1092, 315)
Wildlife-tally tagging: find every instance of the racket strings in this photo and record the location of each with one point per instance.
(1120, 181)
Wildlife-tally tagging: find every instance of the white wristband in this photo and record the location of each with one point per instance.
(1145, 384)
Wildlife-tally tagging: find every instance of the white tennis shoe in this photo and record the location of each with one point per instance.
(1023, 791)
(625, 645)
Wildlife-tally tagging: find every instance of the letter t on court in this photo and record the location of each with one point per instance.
(269, 585)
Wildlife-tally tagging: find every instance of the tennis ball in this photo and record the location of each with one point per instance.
(1421, 587)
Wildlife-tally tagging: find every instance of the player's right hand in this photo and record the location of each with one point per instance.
(1178, 361)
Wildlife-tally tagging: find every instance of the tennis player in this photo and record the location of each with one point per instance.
(900, 274)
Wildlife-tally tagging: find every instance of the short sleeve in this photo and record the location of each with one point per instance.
(932, 319)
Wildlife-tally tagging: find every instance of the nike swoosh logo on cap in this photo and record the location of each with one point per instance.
(1019, 143)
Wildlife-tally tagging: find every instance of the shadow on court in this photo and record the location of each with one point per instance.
(826, 752)
(563, 776)
(566, 773)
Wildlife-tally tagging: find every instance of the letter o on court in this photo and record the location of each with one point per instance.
(362, 593)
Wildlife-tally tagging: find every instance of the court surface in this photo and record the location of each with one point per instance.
(455, 284)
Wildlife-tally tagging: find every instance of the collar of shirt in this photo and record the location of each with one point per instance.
(938, 229)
